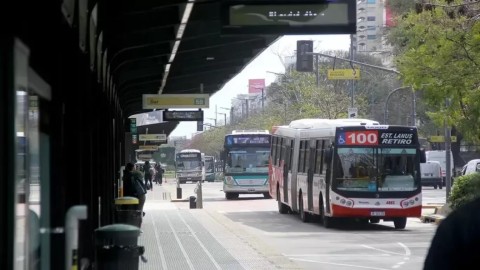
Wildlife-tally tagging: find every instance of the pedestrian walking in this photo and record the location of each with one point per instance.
(148, 175)
(159, 173)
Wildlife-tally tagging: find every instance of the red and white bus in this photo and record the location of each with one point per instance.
(346, 168)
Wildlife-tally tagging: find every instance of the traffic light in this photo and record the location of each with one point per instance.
(304, 61)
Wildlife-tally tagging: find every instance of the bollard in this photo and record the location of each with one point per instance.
(193, 202)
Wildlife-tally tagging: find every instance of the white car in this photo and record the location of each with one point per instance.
(471, 167)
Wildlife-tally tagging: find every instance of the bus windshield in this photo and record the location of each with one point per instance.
(189, 165)
(252, 159)
(376, 169)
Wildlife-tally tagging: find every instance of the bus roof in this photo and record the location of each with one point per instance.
(320, 127)
(234, 132)
(190, 151)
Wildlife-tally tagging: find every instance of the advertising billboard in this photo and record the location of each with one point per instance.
(255, 86)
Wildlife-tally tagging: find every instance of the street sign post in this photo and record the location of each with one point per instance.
(133, 125)
(153, 137)
(167, 101)
(441, 139)
(183, 115)
(352, 112)
(343, 74)
(148, 147)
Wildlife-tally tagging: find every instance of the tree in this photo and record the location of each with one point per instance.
(439, 54)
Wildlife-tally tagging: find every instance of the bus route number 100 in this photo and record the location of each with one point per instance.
(362, 137)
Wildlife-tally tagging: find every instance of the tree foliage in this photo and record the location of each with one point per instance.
(439, 54)
(296, 95)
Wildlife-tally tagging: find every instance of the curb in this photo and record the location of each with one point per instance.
(432, 218)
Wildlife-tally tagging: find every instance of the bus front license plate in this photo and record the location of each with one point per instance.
(377, 213)
(251, 189)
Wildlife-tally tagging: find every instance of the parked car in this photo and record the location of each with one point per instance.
(471, 167)
(431, 174)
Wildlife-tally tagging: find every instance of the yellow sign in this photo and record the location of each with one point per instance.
(153, 137)
(343, 74)
(439, 139)
(175, 101)
(148, 147)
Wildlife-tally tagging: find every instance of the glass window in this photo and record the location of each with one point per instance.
(371, 37)
(307, 157)
(252, 159)
(371, 18)
(301, 157)
(274, 149)
(369, 169)
(291, 156)
(371, 1)
(278, 151)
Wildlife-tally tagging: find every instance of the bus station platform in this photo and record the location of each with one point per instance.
(181, 239)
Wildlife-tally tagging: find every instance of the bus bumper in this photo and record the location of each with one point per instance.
(245, 189)
(342, 211)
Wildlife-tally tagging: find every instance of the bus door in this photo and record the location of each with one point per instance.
(329, 160)
(311, 167)
(286, 148)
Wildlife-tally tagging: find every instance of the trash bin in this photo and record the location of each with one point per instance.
(127, 212)
(116, 247)
(193, 202)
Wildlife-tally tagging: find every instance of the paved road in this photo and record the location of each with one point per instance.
(311, 246)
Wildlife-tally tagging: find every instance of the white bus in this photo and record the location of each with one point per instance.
(346, 168)
(189, 166)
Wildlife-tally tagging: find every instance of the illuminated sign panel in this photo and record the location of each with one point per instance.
(188, 155)
(376, 137)
(183, 115)
(247, 139)
(289, 17)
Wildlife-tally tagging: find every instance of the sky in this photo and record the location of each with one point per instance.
(268, 60)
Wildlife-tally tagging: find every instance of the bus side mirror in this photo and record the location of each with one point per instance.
(328, 156)
(423, 157)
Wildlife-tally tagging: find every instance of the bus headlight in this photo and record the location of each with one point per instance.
(229, 180)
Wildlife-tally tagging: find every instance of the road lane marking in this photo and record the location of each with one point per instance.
(339, 264)
(382, 250)
(335, 255)
(407, 250)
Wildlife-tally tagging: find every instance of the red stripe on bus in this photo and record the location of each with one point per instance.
(341, 211)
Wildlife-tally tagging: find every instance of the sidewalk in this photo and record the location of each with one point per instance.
(199, 239)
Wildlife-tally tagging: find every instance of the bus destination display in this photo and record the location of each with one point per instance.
(248, 140)
(375, 137)
(188, 155)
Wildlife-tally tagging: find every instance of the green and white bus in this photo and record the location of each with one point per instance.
(245, 156)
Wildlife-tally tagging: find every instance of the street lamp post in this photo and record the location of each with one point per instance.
(225, 118)
(414, 114)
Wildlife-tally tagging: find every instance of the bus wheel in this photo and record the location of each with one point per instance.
(374, 220)
(282, 208)
(303, 214)
(440, 186)
(266, 195)
(231, 196)
(400, 223)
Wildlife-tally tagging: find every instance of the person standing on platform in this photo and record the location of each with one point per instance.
(148, 175)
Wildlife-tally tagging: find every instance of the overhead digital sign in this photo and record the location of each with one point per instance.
(289, 17)
(247, 139)
(183, 115)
